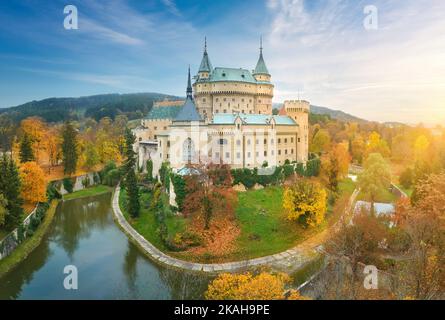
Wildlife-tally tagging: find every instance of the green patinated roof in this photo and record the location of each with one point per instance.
(231, 74)
(261, 66)
(253, 119)
(164, 112)
(206, 65)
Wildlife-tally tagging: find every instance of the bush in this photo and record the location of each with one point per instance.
(112, 177)
(406, 178)
(180, 190)
(68, 184)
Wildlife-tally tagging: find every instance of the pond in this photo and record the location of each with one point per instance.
(83, 234)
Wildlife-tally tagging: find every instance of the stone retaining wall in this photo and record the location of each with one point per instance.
(165, 259)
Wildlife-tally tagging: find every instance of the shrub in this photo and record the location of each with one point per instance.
(68, 184)
(406, 178)
(112, 177)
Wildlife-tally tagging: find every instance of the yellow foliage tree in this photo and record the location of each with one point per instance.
(33, 182)
(305, 202)
(377, 145)
(36, 129)
(264, 286)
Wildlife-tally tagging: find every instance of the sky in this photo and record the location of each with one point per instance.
(322, 51)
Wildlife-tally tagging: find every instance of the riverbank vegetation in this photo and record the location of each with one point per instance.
(88, 192)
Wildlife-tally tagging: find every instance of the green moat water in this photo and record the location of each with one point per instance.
(109, 266)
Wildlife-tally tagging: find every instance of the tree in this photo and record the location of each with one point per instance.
(69, 148)
(91, 156)
(131, 185)
(3, 210)
(377, 145)
(26, 153)
(33, 188)
(305, 202)
(150, 170)
(321, 141)
(264, 286)
(375, 177)
(52, 146)
(335, 165)
(35, 128)
(357, 148)
(406, 178)
(10, 188)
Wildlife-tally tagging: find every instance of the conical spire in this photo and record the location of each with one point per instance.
(189, 86)
(206, 65)
(261, 65)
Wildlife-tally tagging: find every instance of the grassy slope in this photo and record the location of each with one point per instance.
(264, 228)
(27, 246)
(92, 191)
(385, 196)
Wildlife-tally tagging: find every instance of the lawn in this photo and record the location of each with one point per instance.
(259, 215)
(385, 196)
(88, 192)
(146, 224)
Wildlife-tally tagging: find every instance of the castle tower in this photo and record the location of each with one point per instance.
(206, 66)
(298, 110)
(263, 101)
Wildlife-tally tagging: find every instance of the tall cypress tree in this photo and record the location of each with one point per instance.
(26, 153)
(69, 148)
(130, 184)
(10, 188)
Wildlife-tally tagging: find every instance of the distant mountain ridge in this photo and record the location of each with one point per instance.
(133, 105)
(96, 106)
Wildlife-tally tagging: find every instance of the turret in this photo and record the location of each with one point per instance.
(206, 66)
(261, 73)
(299, 110)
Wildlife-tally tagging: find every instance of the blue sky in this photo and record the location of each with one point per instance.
(316, 49)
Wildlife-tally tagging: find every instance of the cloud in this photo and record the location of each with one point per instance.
(320, 49)
(171, 5)
(101, 32)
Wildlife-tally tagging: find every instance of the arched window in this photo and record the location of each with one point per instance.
(188, 150)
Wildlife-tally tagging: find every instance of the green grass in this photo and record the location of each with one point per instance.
(408, 191)
(3, 233)
(264, 227)
(346, 186)
(385, 196)
(88, 192)
(27, 246)
(146, 224)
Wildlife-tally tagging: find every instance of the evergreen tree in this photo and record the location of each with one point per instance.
(150, 170)
(10, 188)
(130, 182)
(26, 153)
(69, 148)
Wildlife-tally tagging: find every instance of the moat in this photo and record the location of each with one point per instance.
(109, 266)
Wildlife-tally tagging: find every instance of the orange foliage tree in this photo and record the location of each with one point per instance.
(335, 165)
(264, 286)
(33, 182)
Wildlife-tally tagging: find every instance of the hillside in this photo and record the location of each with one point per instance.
(133, 105)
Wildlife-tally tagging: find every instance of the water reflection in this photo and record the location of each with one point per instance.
(110, 266)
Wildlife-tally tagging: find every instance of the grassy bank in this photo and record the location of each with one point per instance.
(27, 246)
(88, 192)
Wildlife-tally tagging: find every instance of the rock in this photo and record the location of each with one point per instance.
(239, 187)
(257, 186)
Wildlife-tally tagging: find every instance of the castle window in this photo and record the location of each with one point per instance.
(242, 111)
(285, 140)
(292, 140)
(292, 151)
(298, 139)
(257, 154)
(238, 142)
(227, 155)
(265, 141)
(203, 99)
(248, 154)
(238, 126)
(279, 140)
(168, 144)
(248, 142)
(160, 143)
(265, 153)
(238, 155)
(223, 141)
(140, 138)
(257, 141)
(285, 151)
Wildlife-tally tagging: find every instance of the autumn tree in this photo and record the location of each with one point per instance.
(335, 165)
(91, 156)
(320, 142)
(69, 148)
(305, 202)
(33, 188)
(10, 186)
(35, 128)
(377, 145)
(375, 178)
(264, 286)
(53, 146)
(358, 148)
(26, 152)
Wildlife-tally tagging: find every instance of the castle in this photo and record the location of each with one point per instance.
(226, 118)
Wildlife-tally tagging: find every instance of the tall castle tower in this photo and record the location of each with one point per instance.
(298, 110)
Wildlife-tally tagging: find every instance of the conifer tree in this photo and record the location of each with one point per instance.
(130, 181)
(10, 188)
(69, 148)
(26, 153)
